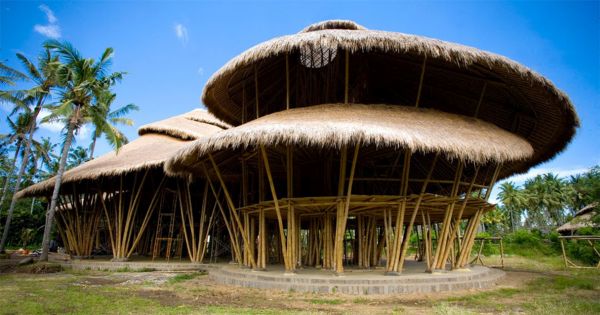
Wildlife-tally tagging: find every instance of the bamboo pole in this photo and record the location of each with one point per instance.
(438, 261)
(344, 216)
(232, 207)
(256, 91)
(277, 209)
(228, 225)
(404, 247)
(470, 237)
(346, 77)
(287, 81)
(395, 252)
(455, 231)
(417, 102)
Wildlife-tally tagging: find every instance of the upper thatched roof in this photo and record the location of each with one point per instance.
(156, 144)
(189, 126)
(335, 125)
(583, 218)
(385, 67)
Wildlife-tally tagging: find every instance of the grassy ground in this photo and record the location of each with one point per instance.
(532, 286)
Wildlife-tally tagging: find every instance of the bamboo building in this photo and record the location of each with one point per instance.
(334, 147)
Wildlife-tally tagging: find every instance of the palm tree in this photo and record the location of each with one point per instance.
(43, 154)
(44, 76)
(17, 135)
(77, 156)
(82, 80)
(104, 120)
(513, 199)
(8, 75)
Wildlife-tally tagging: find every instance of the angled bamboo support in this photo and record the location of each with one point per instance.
(343, 217)
(405, 244)
(232, 209)
(282, 237)
(438, 260)
(228, 224)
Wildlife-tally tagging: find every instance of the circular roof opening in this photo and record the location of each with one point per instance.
(316, 56)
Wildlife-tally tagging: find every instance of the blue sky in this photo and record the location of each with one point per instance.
(170, 49)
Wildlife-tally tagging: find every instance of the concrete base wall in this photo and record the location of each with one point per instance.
(375, 283)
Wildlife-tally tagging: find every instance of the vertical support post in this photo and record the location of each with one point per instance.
(438, 260)
(343, 216)
(474, 222)
(417, 102)
(277, 208)
(480, 100)
(347, 77)
(287, 81)
(231, 207)
(408, 231)
(398, 236)
(256, 103)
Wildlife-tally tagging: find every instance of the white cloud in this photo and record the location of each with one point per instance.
(541, 171)
(53, 126)
(52, 29)
(182, 33)
(83, 133)
(51, 17)
(522, 178)
(201, 71)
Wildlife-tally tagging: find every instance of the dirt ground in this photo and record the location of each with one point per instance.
(519, 291)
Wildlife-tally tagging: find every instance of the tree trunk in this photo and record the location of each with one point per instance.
(24, 161)
(93, 146)
(9, 175)
(57, 183)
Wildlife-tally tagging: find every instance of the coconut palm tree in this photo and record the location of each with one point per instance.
(17, 136)
(513, 199)
(77, 156)
(43, 153)
(104, 121)
(44, 75)
(8, 75)
(82, 80)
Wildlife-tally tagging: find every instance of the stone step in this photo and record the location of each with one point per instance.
(485, 279)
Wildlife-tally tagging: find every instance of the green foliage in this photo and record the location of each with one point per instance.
(186, 277)
(545, 201)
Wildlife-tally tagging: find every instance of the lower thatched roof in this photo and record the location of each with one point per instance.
(335, 125)
(583, 218)
(156, 144)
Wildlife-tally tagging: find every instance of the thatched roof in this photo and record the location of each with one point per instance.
(583, 218)
(335, 125)
(190, 126)
(156, 144)
(385, 67)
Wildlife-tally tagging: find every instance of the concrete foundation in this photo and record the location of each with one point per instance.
(412, 280)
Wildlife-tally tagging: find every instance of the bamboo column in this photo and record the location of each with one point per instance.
(228, 224)
(438, 261)
(282, 237)
(471, 231)
(120, 223)
(394, 252)
(233, 210)
(405, 242)
(342, 216)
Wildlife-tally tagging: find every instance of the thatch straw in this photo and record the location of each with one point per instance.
(156, 144)
(189, 126)
(357, 39)
(335, 125)
(583, 218)
(551, 118)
